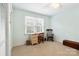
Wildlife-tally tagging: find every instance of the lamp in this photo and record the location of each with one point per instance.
(54, 5)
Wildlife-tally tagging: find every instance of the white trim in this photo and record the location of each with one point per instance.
(34, 18)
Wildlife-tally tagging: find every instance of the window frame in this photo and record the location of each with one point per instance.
(34, 24)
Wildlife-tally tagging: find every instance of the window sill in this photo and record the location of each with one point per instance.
(34, 33)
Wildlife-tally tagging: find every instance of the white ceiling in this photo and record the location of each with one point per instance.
(43, 8)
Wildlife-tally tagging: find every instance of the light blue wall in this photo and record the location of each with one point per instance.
(18, 23)
(66, 25)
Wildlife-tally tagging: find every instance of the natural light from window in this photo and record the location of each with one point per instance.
(33, 25)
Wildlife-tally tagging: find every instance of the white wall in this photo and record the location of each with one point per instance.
(66, 25)
(3, 18)
(18, 22)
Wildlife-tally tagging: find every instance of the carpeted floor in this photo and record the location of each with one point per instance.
(47, 48)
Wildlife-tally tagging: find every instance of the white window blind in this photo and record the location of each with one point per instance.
(33, 25)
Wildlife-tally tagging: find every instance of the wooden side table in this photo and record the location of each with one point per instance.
(34, 39)
(41, 37)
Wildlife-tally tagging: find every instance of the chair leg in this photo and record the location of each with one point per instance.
(49, 38)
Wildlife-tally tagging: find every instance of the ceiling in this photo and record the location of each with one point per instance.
(43, 8)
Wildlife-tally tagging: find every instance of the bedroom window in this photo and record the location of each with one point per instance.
(33, 25)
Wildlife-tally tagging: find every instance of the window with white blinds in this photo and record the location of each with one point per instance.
(33, 25)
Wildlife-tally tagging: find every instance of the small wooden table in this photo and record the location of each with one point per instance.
(34, 39)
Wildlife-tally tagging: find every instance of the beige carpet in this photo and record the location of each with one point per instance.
(45, 49)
